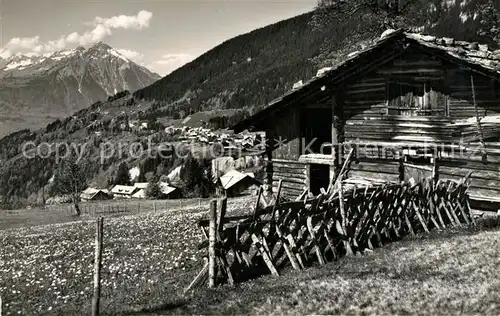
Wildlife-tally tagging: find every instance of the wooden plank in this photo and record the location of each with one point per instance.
(292, 164)
(265, 255)
(290, 255)
(329, 240)
(343, 219)
(290, 185)
(420, 218)
(435, 210)
(221, 215)
(293, 244)
(448, 214)
(339, 177)
(389, 168)
(200, 277)
(312, 235)
(211, 247)
(256, 208)
(290, 177)
(408, 224)
(302, 195)
(453, 213)
(98, 266)
(464, 214)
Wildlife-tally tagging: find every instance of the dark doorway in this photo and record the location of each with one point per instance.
(319, 178)
(317, 124)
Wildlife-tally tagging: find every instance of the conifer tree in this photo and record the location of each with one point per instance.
(154, 190)
(122, 175)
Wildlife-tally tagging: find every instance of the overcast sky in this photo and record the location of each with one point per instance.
(160, 34)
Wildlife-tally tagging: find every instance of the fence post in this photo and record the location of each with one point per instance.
(401, 168)
(97, 266)
(435, 167)
(138, 207)
(211, 243)
(154, 206)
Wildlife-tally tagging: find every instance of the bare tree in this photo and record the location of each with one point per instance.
(71, 179)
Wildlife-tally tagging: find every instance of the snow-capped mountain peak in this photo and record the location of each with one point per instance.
(99, 50)
(60, 83)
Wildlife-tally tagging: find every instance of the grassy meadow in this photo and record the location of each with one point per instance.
(150, 256)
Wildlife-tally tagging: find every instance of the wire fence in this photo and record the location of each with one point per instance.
(120, 207)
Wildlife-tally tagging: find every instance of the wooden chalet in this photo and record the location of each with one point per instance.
(235, 183)
(411, 105)
(123, 191)
(93, 194)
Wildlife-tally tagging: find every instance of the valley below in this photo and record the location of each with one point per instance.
(10, 123)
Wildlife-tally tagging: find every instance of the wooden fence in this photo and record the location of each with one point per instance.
(326, 227)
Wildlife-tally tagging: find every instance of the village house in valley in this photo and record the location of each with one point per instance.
(169, 192)
(235, 183)
(124, 191)
(411, 105)
(93, 194)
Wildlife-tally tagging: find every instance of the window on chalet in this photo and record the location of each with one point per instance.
(416, 98)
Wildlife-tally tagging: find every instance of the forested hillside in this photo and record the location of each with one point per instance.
(246, 71)
(253, 69)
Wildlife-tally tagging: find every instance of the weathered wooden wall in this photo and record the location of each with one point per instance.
(383, 164)
(485, 179)
(367, 121)
(387, 170)
(295, 176)
(460, 94)
(363, 102)
(283, 135)
(366, 112)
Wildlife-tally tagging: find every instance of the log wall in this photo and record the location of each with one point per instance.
(485, 179)
(284, 135)
(460, 94)
(384, 163)
(295, 176)
(366, 110)
(365, 120)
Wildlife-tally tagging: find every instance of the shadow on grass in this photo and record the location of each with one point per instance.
(483, 224)
(175, 305)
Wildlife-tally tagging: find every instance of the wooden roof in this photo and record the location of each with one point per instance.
(473, 56)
